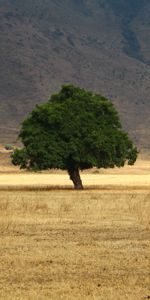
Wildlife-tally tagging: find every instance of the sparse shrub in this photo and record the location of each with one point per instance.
(9, 147)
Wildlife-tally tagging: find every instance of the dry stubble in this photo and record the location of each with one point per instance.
(74, 245)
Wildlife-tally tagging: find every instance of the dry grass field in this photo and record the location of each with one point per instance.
(57, 243)
(64, 244)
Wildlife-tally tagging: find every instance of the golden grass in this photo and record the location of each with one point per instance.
(63, 244)
(31, 180)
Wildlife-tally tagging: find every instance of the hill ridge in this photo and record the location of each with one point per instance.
(100, 46)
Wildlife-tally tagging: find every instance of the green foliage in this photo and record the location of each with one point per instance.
(8, 147)
(76, 129)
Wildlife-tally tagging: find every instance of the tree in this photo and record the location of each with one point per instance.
(73, 131)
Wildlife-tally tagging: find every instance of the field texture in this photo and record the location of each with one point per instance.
(64, 244)
(54, 181)
(57, 243)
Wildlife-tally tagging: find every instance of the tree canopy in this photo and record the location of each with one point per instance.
(74, 130)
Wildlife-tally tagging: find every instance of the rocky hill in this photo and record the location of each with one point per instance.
(100, 45)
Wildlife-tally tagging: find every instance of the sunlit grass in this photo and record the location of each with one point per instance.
(64, 244)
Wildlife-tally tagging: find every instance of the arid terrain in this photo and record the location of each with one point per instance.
(103, 46)
(74, 245)
(57, 243)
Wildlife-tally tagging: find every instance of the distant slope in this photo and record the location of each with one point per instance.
(101, 45)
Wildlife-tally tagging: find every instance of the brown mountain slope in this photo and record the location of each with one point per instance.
(102, 47)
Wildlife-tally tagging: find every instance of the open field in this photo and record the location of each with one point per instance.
(55, 181)
(74, 245)
(57, 243)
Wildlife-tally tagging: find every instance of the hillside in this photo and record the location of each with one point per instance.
(101, 45)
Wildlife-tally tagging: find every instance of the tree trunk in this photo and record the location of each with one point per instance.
(75, 177)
